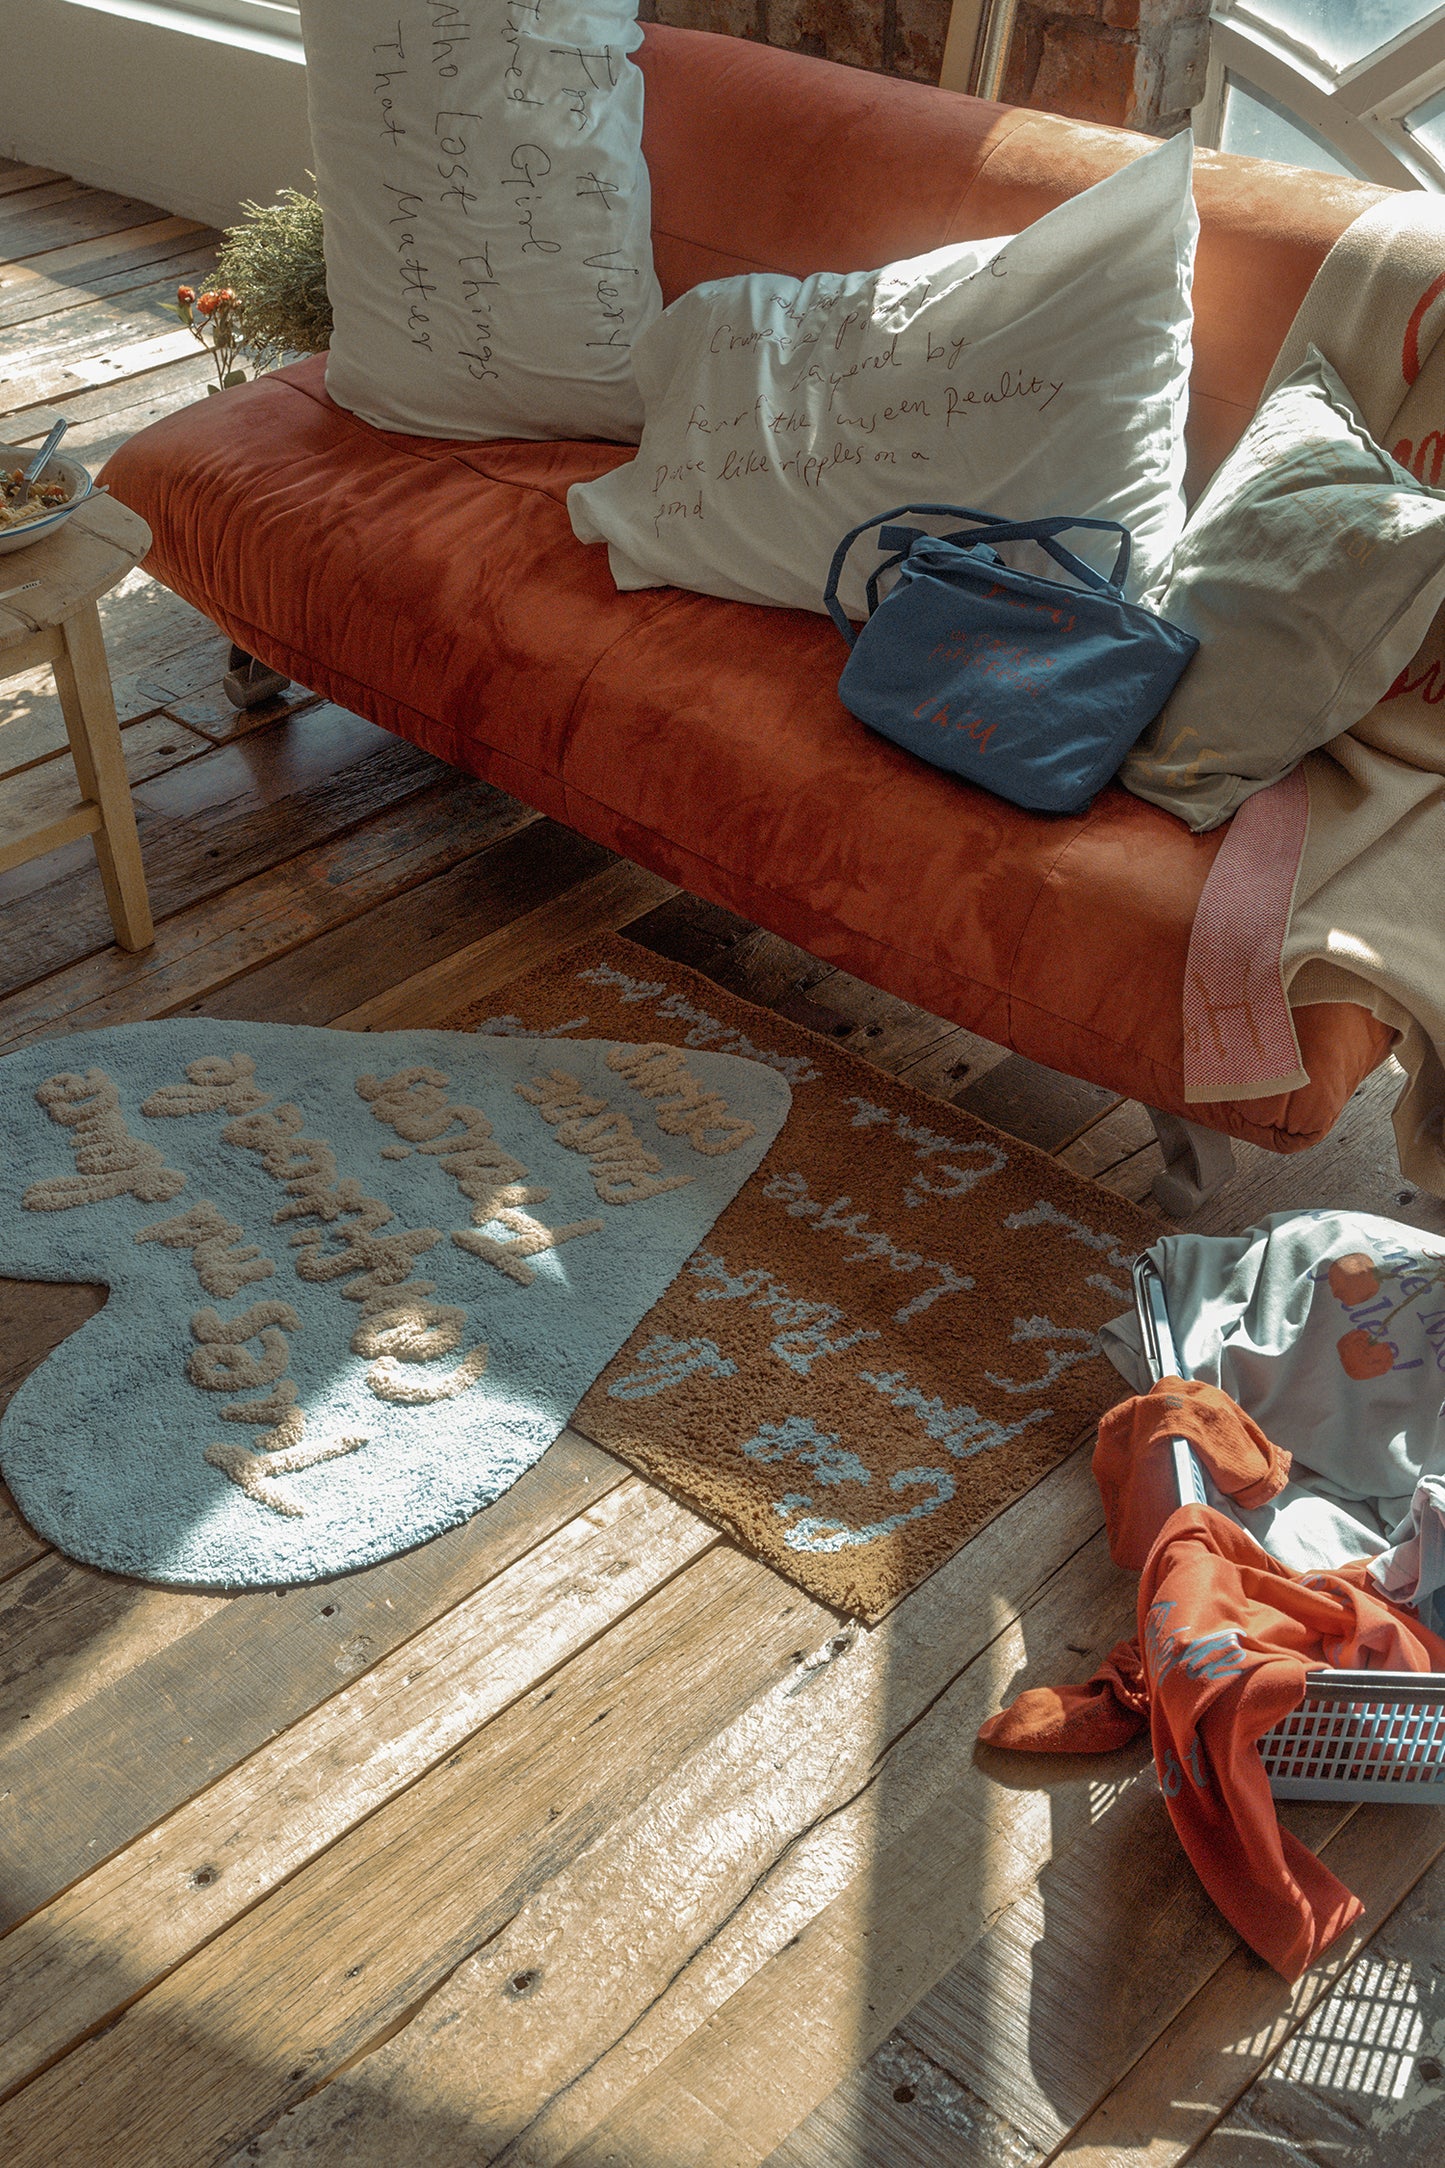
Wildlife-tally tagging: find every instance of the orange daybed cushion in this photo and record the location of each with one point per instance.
(438, 589)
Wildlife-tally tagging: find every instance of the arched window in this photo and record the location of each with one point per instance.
(1347, 86)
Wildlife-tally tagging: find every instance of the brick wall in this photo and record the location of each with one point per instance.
(1137, 63)
(896, 37)
(1134, 63)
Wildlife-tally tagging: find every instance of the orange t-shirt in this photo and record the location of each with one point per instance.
(1227, 1637)
(1134, 1463)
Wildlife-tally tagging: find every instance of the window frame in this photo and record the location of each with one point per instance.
(263, 26)
(1358, 109)
(274, 15)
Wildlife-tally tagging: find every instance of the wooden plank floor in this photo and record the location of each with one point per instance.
(577, 1836)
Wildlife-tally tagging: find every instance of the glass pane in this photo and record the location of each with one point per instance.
(1342, 31)
(1428, 123)
(1258, 128)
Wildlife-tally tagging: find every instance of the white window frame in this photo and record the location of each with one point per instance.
(1359, 110)
(261, 26)
(278, 15)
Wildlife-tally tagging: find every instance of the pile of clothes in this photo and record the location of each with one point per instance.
(1314, 1412)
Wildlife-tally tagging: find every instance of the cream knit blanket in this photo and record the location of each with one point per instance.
(1368, 921)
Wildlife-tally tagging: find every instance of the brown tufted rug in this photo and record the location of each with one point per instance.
(887, 1337)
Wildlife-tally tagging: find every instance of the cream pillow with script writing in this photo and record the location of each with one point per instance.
(1310, 571)
(1041, 373)
(487, 213)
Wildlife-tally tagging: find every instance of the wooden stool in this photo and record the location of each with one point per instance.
(57, 622)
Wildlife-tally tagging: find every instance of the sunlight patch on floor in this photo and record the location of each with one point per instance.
(1363, 2038)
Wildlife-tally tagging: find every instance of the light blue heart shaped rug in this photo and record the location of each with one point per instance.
(358, 1282)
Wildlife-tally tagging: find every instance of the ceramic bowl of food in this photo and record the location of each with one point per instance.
(63, 484)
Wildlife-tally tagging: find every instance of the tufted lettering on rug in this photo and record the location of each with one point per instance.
(1032, 1330)
(527, 1238)
(949, 1180)
(799, 1438)
(665, 1361)
(256, 1474)
(413, 1102)
(1043, 1213)
(376, 1267)
(804, 1327)
(389, 1381)
(961, 1431)
(223, 1363)
(225, 1262)
(285, 1424)
(109, 1161)
(415, 1330)
(623, 1171)
(685, 1108)
(217, 1084)
(705, 1029)
(792, 1192)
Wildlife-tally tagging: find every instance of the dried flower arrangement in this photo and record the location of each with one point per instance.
(273, 303)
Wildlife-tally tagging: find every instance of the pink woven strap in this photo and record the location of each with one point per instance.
(1239, 1036)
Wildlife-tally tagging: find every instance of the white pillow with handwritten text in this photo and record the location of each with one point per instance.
(1041, 373)
(487, 213)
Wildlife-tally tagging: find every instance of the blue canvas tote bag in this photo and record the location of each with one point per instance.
(1032, 687)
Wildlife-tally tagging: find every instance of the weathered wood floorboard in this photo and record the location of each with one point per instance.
(32, 727)
(192, 1685)
(726, 1861)
(1006, 2022)
(14, 175)
(1038, 1970)
(60, 212)
(353, 1941)
(50, 789)
(925, 1051)
(376, 956)
(85, 271)
(1174, 2096)
(55, 382)
(36, 357)
(90, 1953)
(605, 901)
(391, 806)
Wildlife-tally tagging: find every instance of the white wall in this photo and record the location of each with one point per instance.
(185, 121)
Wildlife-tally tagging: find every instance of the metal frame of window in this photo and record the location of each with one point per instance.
(1359, 110)
(976, 49)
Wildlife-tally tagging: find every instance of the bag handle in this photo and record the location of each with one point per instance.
(900, 541)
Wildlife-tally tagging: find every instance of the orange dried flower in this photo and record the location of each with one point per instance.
(185, 294)
(208, 304)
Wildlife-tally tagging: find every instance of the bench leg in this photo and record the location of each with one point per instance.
(250, 683)
(82, 679)
(1197, 1163)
